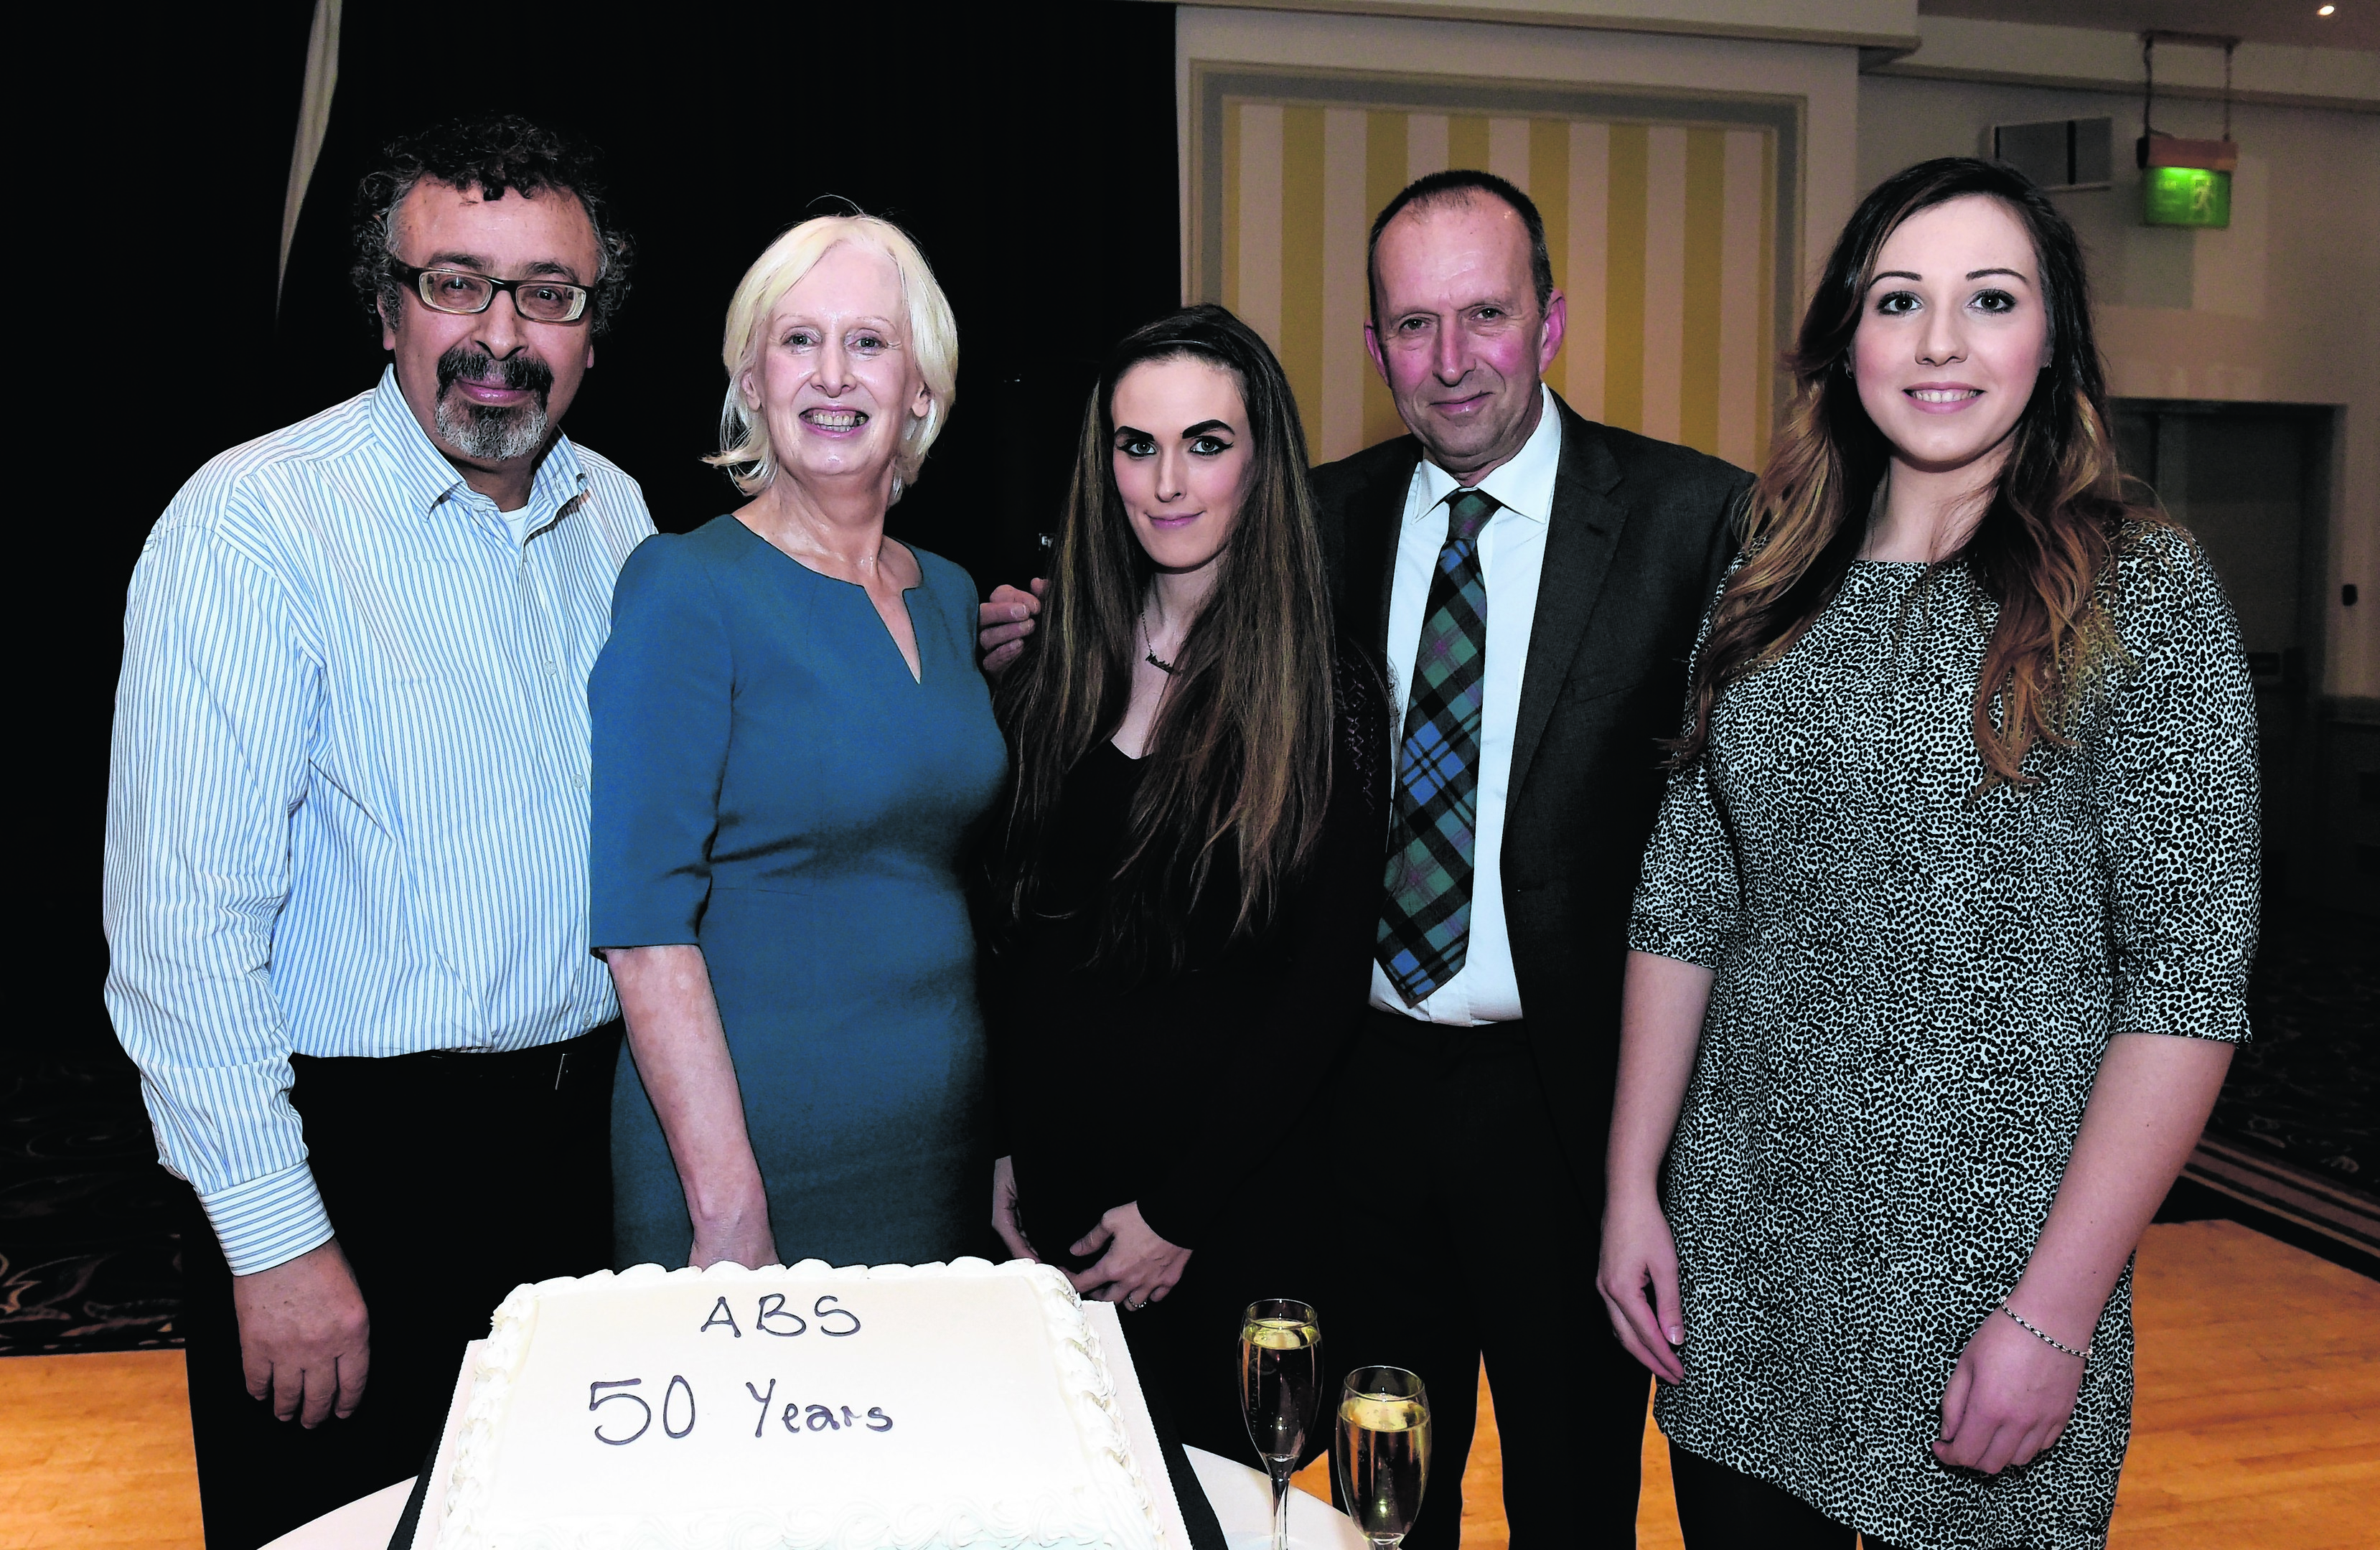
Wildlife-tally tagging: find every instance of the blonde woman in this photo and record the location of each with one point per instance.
(791, 744)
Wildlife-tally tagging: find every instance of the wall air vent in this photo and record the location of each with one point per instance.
(2058, 155)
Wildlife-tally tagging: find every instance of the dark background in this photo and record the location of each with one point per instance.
(1029, 150)
(1030, 153)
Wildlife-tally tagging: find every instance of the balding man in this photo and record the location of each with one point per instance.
(1532, 582)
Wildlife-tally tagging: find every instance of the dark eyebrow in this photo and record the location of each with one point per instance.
(1133, 430)
(1203, 427)
(1972, 274)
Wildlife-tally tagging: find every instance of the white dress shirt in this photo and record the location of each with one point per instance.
(1511, 557)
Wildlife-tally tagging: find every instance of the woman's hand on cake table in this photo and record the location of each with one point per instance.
(1006, 1219)
(743, 1236)
(1137, 1268)
(2009, 1398)
(305, 1336)
(680, 1048)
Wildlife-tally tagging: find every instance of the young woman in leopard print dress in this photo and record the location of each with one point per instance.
(1941, 950)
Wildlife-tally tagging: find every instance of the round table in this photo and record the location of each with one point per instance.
(1241, 1496)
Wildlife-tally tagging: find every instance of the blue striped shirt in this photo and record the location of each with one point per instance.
(346, 812)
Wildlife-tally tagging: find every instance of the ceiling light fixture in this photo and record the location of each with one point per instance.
(2326, 10)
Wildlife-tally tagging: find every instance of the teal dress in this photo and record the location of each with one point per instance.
(771, 784)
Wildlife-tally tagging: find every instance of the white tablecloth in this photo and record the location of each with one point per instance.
(1242, 1498)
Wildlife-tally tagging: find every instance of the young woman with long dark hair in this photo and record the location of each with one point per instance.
(1181, 896)
(1941, 946)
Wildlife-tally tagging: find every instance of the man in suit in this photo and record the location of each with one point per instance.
(1533, 581)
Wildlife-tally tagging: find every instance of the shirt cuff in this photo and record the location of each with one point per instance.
(268, 1222)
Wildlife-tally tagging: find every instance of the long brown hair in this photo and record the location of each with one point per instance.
(2042, 546)
(1239, 759)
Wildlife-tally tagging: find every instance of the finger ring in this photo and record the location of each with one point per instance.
(1136, 1307)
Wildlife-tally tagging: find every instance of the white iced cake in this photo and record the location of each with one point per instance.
(795, 1408)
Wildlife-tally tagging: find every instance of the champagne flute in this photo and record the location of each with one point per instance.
(1280, 1391)
(1381, 1451)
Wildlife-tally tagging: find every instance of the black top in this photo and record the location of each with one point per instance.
(1171, 1087)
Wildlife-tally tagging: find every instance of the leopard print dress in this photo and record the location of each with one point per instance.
(1912, 993)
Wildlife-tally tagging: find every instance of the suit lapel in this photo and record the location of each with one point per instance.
(1375, 522)
(1580, 534)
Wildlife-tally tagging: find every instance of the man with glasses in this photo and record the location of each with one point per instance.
(346, 839)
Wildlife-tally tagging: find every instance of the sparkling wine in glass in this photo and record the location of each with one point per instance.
(1381, 1451)
(1281, 1392)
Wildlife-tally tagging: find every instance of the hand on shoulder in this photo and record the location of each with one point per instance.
(1004, 622)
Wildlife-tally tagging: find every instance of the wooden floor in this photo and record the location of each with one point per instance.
(95, 1453)
(2257, 1423)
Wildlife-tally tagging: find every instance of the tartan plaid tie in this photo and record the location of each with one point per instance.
(1425, 922)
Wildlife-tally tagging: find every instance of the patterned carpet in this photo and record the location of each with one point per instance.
(2303, 1090)
(89, 1260)
(88, 1256)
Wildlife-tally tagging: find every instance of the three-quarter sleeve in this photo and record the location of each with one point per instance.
(1687, 899)
(1688, 894)
(218, 701)
(2173, 776)
(660, 707)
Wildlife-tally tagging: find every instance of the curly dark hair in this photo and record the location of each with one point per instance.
(492, 152)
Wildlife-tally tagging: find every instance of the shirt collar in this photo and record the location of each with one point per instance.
(1523, 486)
(427, 479)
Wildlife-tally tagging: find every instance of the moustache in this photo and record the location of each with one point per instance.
(518, 373)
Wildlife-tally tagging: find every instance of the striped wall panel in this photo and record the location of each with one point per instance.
(1663, 233)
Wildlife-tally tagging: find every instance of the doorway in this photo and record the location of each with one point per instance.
(2250, 481)
(2294, 1134)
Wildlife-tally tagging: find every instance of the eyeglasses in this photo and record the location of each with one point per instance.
(460, 291)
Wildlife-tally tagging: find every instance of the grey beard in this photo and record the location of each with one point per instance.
(491, 435)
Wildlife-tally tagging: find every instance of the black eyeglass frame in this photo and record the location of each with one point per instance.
(418, 279)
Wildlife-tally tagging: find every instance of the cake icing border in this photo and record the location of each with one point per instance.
(1086, 1380)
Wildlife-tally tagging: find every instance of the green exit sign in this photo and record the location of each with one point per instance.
(2185, 197)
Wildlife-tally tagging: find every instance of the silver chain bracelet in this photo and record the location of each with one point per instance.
(2043, 1336)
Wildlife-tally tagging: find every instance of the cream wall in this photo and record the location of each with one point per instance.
(2282, 308)
(1873, 23)
(1824, 76)
(2105, 56)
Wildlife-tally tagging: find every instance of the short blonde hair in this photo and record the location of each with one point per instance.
(933, 342)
